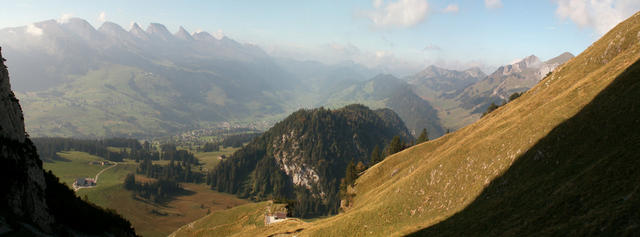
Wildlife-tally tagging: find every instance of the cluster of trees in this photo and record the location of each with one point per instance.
(48, 147)
(179, 169)
(210, 146)
(236, 141)
(493, 106)
(396, 145)
(157, 191)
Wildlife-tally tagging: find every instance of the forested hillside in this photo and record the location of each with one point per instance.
(304, 157)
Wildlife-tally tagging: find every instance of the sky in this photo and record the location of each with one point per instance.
(404, 35)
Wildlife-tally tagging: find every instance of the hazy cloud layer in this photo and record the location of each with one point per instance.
(102, 17)
(493, 4)
(401, 13)
(33, 30)
(601, 15)
(432, 47)
(65, 18)
(451, 8)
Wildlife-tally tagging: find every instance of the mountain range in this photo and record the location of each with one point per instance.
(460, 97)
(144, 83)
(75, 80)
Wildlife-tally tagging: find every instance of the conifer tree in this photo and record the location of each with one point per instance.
(351, 174)
(423, 136)
(375, 155)
(396, 145)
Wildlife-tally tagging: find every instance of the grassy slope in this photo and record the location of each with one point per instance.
(75, 166)
(429, 183)
(244, 220)
(210, 160)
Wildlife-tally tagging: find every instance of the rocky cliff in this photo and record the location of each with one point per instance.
(35, 203)
(23, 183)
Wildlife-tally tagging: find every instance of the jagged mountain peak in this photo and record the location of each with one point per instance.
(475, 72)
(112, 29)
(109, 26)
(158, 30)
(203, 35)
(529, 61)
(135, 27)
(560, 59)
(138, 32)
(183, 34)
(75, 21)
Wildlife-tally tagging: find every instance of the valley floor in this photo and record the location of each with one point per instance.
(148, 218)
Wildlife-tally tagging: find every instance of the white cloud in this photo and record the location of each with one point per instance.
(65, 18)
(218, 34)
(33, 30)
(377, 3)
(601, 15)
(452, 8)
(401, 13)
(102, 17)
(432, 47)
(493, 4)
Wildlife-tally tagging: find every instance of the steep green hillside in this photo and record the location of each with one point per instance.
(304, 157)
(560, 159)
(386, 91)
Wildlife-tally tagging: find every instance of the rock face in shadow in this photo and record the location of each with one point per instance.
(23, 184)
(35, 203)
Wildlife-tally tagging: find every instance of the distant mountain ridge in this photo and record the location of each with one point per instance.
(146, 83)
(508, 79)
(387, 91)
(201, 82)
(462, 96)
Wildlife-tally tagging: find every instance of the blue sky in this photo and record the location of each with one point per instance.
(407, 34)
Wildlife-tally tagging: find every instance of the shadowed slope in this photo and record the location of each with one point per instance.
(581, 179)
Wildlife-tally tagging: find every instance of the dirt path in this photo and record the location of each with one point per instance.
(76, 188)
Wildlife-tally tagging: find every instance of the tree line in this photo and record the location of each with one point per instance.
(235, 141)
(493, 106)
(48, 147)
(156, 191)
(353, 169)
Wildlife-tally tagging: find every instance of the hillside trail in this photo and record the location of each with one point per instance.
(76, 188)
